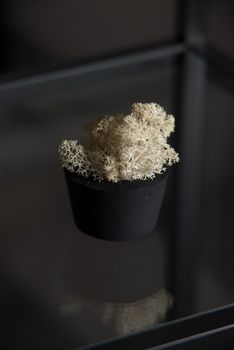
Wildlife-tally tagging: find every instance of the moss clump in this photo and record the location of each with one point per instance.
(130, 147)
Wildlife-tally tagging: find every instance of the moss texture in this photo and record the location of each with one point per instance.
(131, 147)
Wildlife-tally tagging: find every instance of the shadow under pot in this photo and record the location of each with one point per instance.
(121, 211)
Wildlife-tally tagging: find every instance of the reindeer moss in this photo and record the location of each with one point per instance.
(131, 147)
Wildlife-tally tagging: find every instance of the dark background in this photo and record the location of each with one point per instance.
(41, 35)
(37, 232)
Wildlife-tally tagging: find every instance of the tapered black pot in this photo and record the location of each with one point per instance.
(116, 211)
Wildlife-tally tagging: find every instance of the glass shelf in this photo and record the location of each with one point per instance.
(62, 289)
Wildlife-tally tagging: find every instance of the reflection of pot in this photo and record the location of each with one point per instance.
(116, 272)
(115, 211)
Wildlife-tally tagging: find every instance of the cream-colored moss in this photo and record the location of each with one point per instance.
(127, 147)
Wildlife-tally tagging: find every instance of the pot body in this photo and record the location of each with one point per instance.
(116, 211)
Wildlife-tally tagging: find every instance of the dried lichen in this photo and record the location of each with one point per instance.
(127, 147)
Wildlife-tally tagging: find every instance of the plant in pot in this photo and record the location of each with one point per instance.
(116, 181)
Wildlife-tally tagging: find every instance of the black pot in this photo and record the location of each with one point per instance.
(116, 211)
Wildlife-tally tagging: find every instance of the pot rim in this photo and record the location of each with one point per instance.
(120, 186)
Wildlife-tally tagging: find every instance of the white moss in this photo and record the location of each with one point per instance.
(127, 147)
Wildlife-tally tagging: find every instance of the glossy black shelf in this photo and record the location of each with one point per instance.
(212, 329)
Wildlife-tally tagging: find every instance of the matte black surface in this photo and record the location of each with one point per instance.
(116, 211)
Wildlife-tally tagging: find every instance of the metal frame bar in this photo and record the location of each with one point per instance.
(214, 339)
(189, 179)
(220, 65)
(163, 52)
(189, 175)
(172, 331)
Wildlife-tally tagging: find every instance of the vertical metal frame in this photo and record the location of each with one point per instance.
(189, 175)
